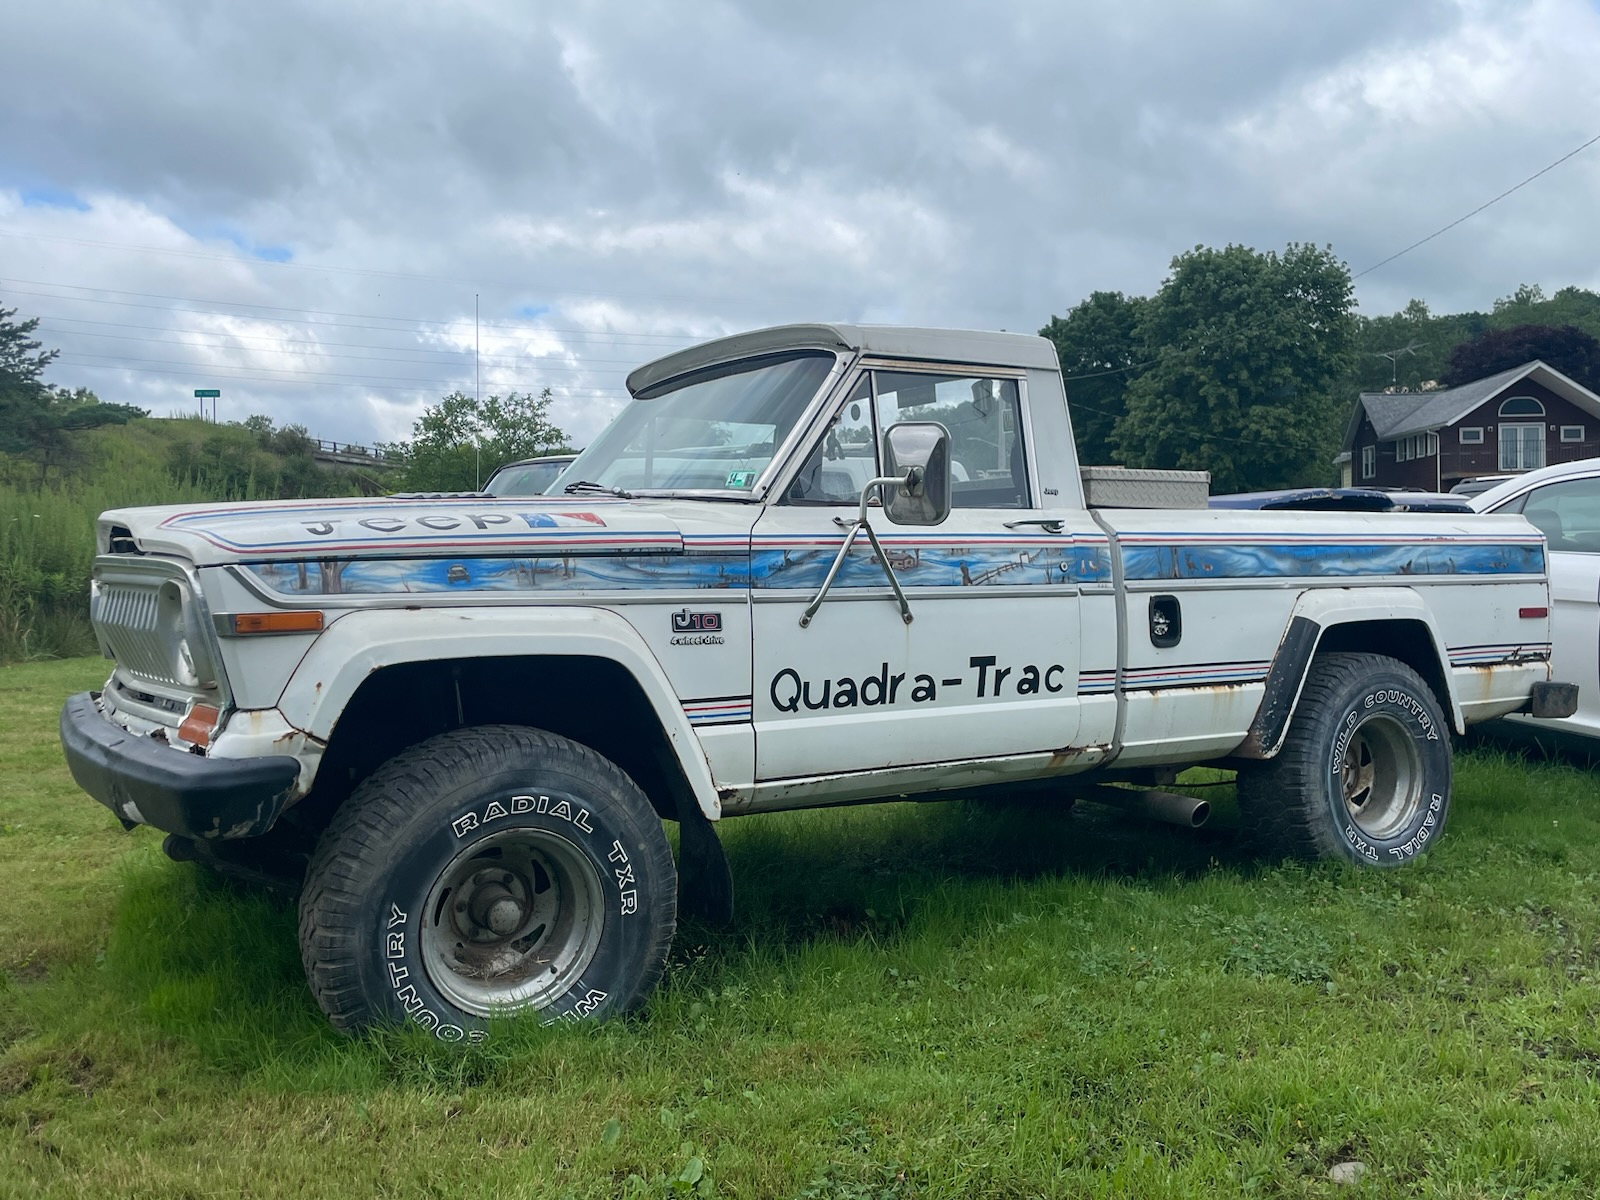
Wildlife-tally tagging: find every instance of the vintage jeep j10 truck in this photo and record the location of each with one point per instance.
(810, 565)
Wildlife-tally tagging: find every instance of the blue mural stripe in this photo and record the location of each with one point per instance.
(524, 573)
(1307, 559)
(919, 563)
(590, 561)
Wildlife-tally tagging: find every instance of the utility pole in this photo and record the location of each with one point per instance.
(477, 401)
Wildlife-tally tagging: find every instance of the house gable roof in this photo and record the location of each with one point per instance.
(1398, 414)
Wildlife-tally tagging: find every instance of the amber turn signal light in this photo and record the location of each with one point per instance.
(277, 622)
(197, 727)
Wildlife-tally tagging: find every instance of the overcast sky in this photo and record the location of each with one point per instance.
(297, 202)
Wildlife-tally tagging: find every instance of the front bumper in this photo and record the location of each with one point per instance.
(145, 782)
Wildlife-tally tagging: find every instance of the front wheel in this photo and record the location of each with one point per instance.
(1364, 772)
(488, 872)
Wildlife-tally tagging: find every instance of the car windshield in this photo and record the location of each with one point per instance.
(715, 430)
(525, 479)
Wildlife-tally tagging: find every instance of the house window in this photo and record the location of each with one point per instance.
(1572, 433)
(1471, 437)
(1521, 446)
(1521, 406)
(1369, 461)
(1416, 445)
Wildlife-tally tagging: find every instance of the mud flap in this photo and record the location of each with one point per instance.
(705, 882)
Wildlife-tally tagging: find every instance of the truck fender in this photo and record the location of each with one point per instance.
(359, 643)
(1314, 614)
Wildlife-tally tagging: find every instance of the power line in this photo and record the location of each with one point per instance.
(246, 260)
(279, 347)
(113, 363)
(619, 334)
(1113, 371)
(373, 387)
(655, 350)
(1479, 209)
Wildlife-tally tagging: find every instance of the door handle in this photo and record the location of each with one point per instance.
(1048, 524)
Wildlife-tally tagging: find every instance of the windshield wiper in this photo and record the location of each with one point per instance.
(705, 499)
(589, 486)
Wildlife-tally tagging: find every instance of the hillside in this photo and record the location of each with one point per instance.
(47, 515)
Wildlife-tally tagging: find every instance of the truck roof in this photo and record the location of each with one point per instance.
(965, 346)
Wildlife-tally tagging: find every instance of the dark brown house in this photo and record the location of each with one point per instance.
(1527, 417)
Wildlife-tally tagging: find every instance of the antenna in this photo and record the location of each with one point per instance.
(1394, 357)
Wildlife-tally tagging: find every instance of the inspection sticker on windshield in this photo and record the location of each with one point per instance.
(741, 479)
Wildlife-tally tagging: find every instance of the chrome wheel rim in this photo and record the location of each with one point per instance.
(512, 922)
(1381, 777)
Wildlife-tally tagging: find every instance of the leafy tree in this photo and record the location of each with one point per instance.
(457, 443)
(1248, 349)
(1528, 305)
(1101, 354)
(1568, 349)
(22, 358)
(36, 418)
(291, 441)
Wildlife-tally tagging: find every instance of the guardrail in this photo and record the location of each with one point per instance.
(350, 450)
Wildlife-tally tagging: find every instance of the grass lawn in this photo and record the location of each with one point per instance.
(913, 1001)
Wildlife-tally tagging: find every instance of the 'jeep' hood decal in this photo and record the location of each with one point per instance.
(390, 528)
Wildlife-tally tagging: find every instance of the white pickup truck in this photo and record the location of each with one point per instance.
(810, 565)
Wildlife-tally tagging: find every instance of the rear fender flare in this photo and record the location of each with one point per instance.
(1314, 614)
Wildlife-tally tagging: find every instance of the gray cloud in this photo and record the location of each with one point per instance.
(636, 175)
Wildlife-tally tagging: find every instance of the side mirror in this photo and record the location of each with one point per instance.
(917, 453)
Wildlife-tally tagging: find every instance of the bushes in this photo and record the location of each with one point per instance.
(250, 461)
(47, 533)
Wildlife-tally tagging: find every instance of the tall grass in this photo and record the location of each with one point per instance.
(47, 529)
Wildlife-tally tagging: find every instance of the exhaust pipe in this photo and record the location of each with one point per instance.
(1158, 806)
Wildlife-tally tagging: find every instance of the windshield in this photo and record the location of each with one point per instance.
(715, 430)
(525, 479)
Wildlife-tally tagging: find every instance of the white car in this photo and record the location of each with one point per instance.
(1563, 501)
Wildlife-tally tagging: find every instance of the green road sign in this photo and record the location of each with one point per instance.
(207, 393)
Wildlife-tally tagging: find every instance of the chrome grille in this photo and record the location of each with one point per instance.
(127, 616)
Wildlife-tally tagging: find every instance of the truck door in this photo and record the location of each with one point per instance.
(987, 668)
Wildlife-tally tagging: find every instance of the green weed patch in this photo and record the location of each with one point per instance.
(914, 1001)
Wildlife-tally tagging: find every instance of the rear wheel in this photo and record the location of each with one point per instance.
(1364, 772)
(488, 872)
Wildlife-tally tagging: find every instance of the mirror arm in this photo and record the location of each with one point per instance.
(882, 481)
(883, 561)
(856, 527)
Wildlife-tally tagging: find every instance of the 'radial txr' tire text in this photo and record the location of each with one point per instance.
(488, 872)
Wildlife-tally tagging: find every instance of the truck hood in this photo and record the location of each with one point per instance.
(269, 531)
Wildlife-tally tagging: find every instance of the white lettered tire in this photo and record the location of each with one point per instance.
(488, 872)
(1364, 773)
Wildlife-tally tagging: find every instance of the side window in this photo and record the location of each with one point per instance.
(846, 457)
(984, 417)
(1567, 513)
